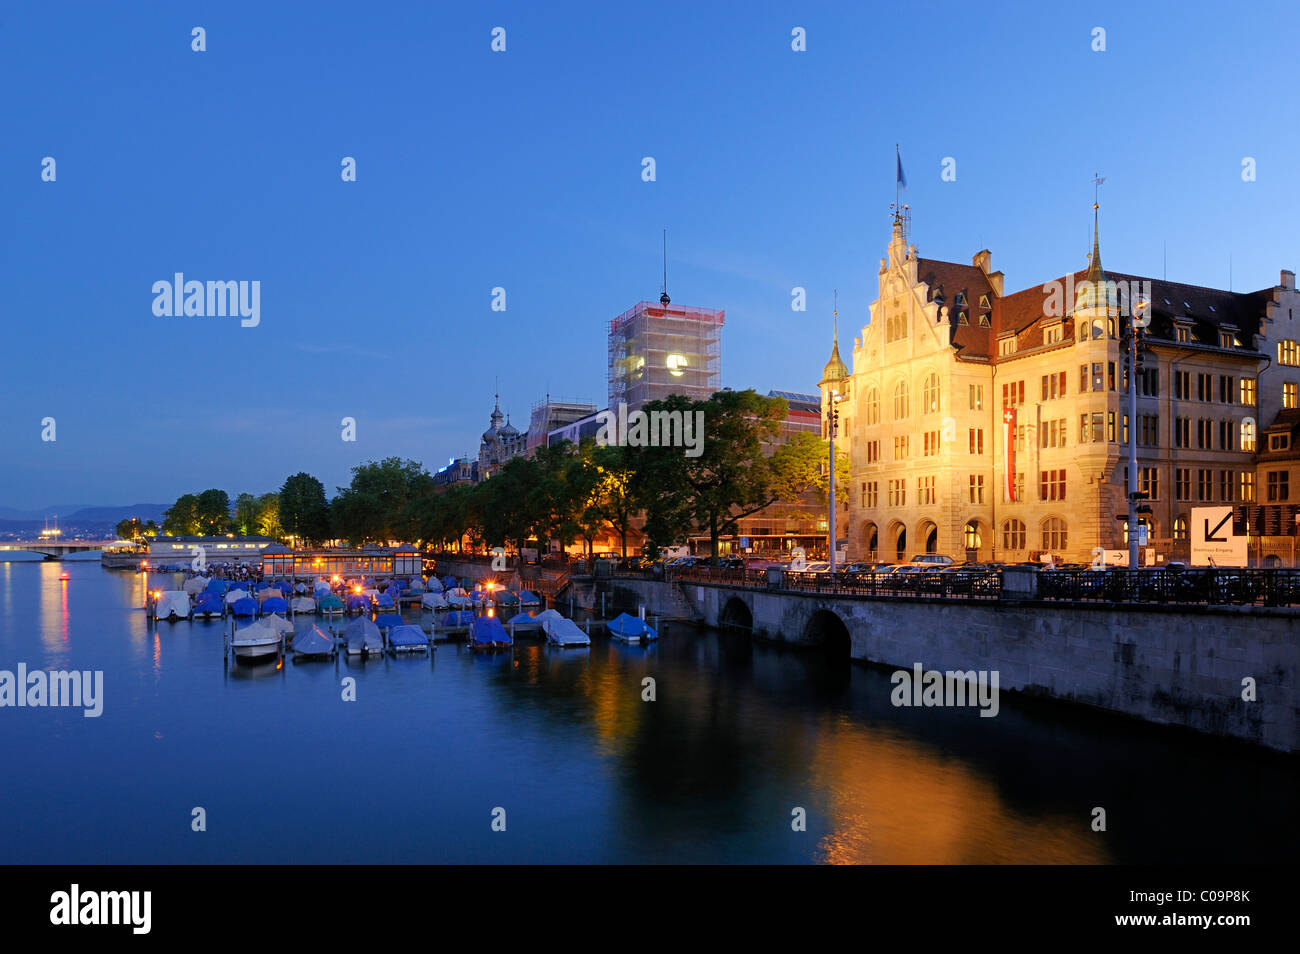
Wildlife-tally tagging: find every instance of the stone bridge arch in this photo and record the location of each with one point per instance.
(827, 630)
(736, 614)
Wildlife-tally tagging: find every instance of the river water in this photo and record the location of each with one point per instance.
(740, 742)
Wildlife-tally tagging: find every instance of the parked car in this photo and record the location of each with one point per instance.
(932, 558)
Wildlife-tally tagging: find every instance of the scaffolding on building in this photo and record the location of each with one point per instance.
(656, 350)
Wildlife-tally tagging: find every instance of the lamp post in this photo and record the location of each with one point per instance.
(835, 424)
(1137, 321)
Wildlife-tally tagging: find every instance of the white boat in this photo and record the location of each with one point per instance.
(458, 598)
(236, 595)
(433, 601)
(255, 641)
(564, 632)
(303, 604)
(173, 604)
(277, 623)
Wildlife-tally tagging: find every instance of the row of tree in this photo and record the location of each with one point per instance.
(563, 492)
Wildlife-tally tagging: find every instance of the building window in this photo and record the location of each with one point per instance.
(1279, 486)
(1227, 484)
(977, 488)
(977, 441)
(1149, 482)
(1182, 432)
(1051, 485)
(1205, 434)
(873, 494)
(977, 397)
(1227, 389)
(1227, 434)
(1018, 487)
(931, 443)
(897, 493)
(1247, 487)
(1052, 334)
(1052, 433)
(1248, 435)
(900, 448)
(1288, 352)
(1007, 345)
(895, 325)
(1053, 386)
(1180, 528)
(1182, 483)
(1013, 394)
(1183, 333)
(971, 536)
(873, 452)
(930, 394)
(1013, 534)
(1204, 484)
(1054, 534)
(1248, 391)
(1289, 395)
(1149, 430)
(1279, 442)
(1183, 385)
(925, 490)
(873, 406)
(900, 400)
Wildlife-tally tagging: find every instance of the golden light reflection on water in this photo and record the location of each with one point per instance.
(895, 800)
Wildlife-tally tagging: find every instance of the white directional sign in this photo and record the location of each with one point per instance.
(1213, 542)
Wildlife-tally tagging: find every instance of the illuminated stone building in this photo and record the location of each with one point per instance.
(993, 426)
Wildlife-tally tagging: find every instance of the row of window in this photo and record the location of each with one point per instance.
(1233, 486)
(1092, 377)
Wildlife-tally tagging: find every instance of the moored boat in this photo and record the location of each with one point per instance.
(407, 639)
(172, 605)
(363, 638)
(314, 643)
(630, 629)
(564, 632)
(488, 635)
(255, 641)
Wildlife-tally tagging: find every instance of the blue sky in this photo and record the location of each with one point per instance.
(522, 170)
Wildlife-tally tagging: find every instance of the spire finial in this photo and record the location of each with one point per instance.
(1094, 266)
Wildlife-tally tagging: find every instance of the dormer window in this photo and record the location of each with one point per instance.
(984, 321)
(984, 301)
(960, 299)
(1279, 442)
(1052, 334)
(1007, 345)
(938, 295)
(961, 320)
(1225, 339)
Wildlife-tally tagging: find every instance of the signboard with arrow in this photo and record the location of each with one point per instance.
(1213, 542)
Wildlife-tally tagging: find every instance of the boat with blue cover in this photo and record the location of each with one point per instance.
(407, 639)
(630, 629)
(488, 635)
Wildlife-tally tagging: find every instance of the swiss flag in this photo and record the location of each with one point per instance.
(1009, 454)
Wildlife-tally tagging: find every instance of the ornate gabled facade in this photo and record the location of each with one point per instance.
(500, 442)
(992, 426)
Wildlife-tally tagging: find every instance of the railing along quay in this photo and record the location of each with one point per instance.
(1187, 586)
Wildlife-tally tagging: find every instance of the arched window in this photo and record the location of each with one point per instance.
(930, 394)
(1143, 522)
(900, 400)
(972, 535)
(1054, 534)
(1013, 534)
(873, 406)
(1180, 528)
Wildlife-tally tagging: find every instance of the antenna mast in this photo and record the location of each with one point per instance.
(664, 299)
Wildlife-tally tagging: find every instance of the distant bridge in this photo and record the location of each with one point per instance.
(52, 549)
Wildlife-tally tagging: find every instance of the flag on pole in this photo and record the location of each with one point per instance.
(1009, 454)
(900, 180)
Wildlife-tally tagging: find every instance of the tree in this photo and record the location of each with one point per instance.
(212, 511)
(304, 511)
(181, 519)
(268, 516)
(130, 529)
(614, 495)
(508, 509)
(373, 508)
(732, 477)
(245, 514)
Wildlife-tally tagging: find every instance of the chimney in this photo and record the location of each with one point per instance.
(1288, 278)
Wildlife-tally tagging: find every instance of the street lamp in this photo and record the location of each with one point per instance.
(1137, 322)
(830, 523)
